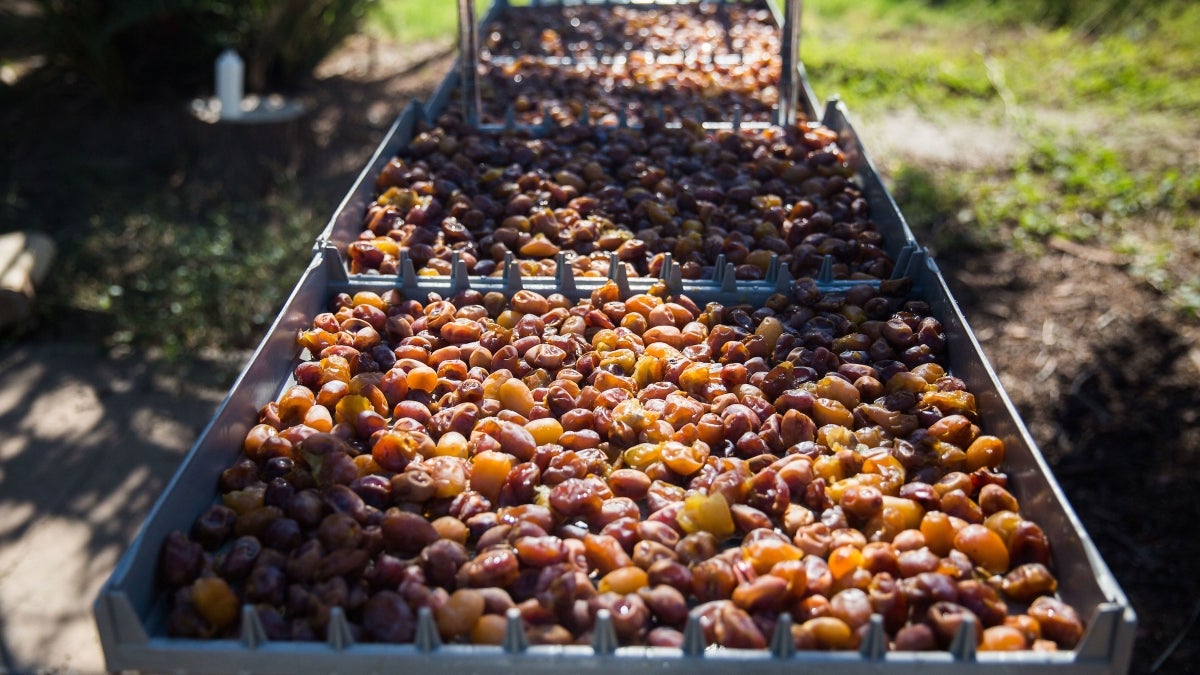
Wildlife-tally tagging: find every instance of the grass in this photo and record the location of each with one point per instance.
(881, 53)
(223, 278)
(1092, 90)
(1123, 80)
(419, 20)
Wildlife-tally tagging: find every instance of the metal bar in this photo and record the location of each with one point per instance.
(789, 88)
(468, 60)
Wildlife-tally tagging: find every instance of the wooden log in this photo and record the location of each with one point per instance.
(25, 259)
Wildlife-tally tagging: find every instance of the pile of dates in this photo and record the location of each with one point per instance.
(683, 31)
(744, 197)
(643, 455)
(668, 63)
(527, 88)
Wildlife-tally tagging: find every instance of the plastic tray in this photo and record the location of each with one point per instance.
(130, 610)
(634, 55)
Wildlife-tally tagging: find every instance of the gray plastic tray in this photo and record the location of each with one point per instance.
(130, 610)
(795, 95)
(806, 100)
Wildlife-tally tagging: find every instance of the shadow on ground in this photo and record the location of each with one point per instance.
(1110, 390)
(89, 445)
(92, 434)
(1129, 421)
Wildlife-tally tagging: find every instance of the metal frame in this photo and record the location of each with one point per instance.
(468, 44)
(790, 48)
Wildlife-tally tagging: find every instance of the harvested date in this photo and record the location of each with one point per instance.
(388, 618)
(180, 561)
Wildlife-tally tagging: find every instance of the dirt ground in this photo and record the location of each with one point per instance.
(1108, 386)
(1106, 378)
(1107, 381)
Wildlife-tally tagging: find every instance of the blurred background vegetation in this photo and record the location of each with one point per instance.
(165, 258)
(1100, 95)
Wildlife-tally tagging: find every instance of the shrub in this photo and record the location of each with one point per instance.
(141, 47)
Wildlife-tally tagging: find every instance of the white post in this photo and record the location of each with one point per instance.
(230, 73)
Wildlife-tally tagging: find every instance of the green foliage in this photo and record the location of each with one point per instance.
(878, 53)
(224, 272)
(93, 38)
(1123, 69)
(937, 206)
(137, 47)
(283, 40)
(1148, 66)
(1087, 16)
(1074, 187)
(418, 20)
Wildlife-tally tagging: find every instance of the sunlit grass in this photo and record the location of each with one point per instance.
(419, 20)
(877, 54)
(1075, 81)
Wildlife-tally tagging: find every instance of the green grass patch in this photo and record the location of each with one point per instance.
(939, 208)
(1069, 187)
(1098, 187)
(177, 279)
(1039, 66)
(878, 54)
(419, 20)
